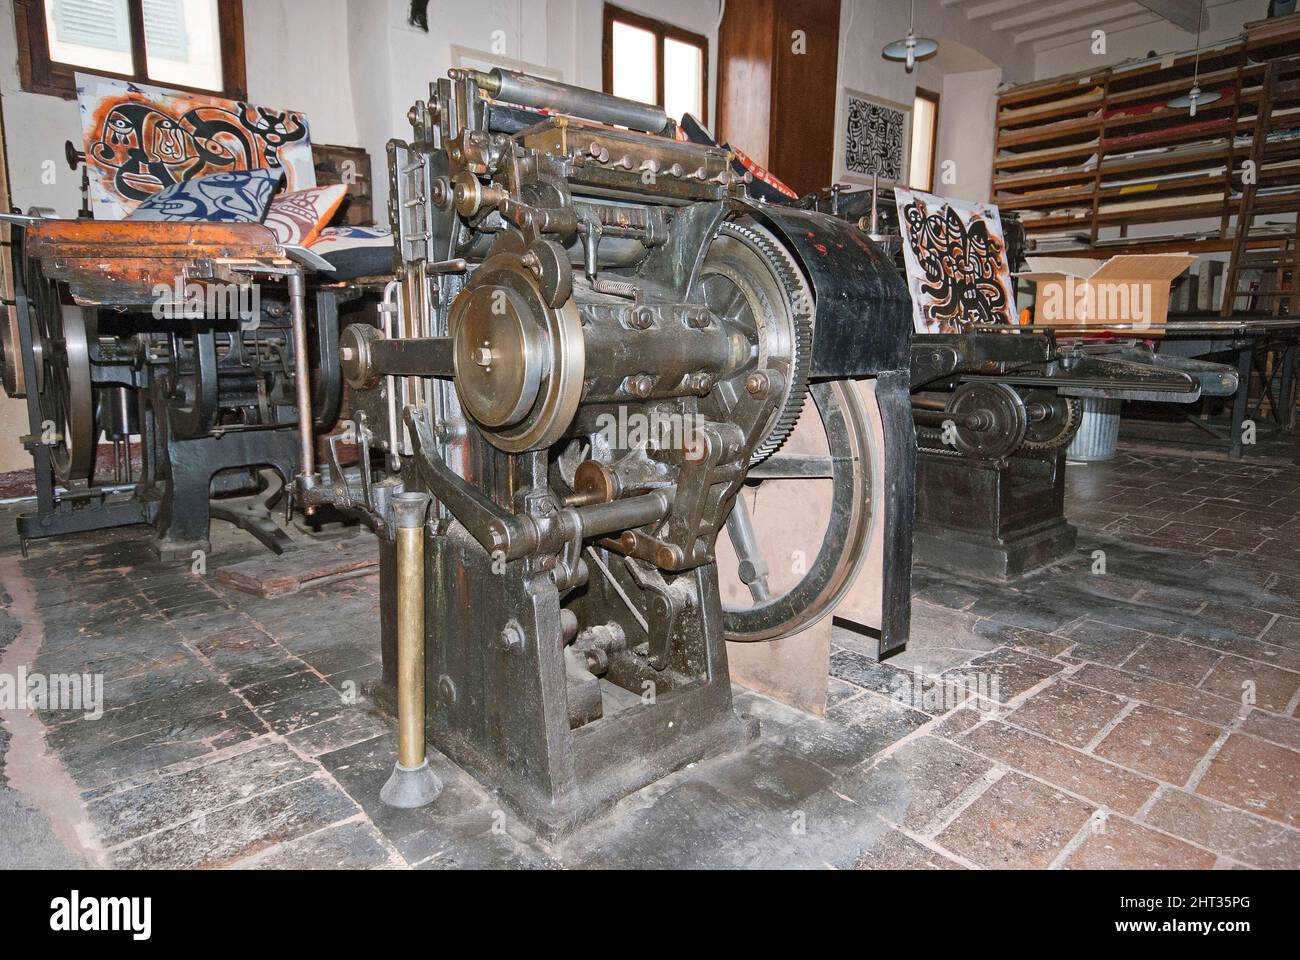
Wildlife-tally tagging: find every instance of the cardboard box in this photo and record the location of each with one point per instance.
(1128, 289)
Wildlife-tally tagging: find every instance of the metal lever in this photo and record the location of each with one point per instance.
(753, 568)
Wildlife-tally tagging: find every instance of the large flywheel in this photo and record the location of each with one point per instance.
(750, 278)
(61, 341)
(799, 530)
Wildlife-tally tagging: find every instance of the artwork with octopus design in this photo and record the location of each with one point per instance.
(957, 269)
(140, 140)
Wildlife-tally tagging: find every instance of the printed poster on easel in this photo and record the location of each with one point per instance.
(956, 257)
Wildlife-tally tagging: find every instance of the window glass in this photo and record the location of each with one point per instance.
(183, 42)
(683, 79)
(635, 63)
(95, 34)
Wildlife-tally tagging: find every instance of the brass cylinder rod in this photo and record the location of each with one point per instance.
(413, 783)
(530, 91)
(410, 509)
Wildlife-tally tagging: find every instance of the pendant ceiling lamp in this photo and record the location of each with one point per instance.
(1196, 96)
(911, 48)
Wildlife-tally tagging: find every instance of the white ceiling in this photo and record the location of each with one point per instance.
(1053, 23)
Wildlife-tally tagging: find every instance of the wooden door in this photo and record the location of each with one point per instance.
(802, 143)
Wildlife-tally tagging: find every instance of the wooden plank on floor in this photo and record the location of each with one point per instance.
(309, 566)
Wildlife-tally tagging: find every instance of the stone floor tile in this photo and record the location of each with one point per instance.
(1193, 703)
(1122, 845)
(1257, 776)
(1069, 769)
(352, 845)
(1156, 742)
(915, 784)
(1225, 830)
(1067, 713)
(219, 838)
(894, 850)
(1017, 823)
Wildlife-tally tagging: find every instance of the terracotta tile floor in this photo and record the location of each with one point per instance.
(1135, 705)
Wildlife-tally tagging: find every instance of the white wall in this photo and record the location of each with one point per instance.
(966, 133)
(297, 57)
(971, 62)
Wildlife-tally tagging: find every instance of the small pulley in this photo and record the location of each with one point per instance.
(988, 420)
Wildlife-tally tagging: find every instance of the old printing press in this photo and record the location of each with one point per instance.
(211, 386)
(552, 612)
(996, 408)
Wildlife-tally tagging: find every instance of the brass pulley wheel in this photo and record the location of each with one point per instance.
(498, 355)
(519, 363)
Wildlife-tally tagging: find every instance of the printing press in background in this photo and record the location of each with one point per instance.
(996, 409)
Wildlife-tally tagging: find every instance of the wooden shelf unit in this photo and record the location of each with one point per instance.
(1079, 154)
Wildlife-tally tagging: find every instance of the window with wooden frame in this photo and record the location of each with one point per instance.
(654, 62)
(195, 45)
(925, 138)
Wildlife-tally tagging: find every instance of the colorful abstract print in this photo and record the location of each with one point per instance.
(956, 258)
(142, 140)
(240, 196)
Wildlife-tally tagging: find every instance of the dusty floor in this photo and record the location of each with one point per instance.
(1147, 702)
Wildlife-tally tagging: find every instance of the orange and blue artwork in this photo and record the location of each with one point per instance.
(140, 140)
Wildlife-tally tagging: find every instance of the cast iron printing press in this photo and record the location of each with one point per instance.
(996, 407)
(570, 272)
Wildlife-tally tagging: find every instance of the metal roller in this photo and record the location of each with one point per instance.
(528, 91)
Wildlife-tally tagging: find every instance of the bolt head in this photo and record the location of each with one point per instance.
(511, 639)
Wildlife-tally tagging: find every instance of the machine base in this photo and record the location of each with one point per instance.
(991, 520)
(411, 787)
(605, 776)
(73, 514)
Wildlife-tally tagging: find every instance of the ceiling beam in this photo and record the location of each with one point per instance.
(1050, 11)
(994, 8)
(1076, 24)
(1181, 13)
(1085, 33)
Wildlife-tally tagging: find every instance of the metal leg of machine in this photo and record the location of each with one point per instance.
(991, 478)
(412, 783)
(992, 520)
